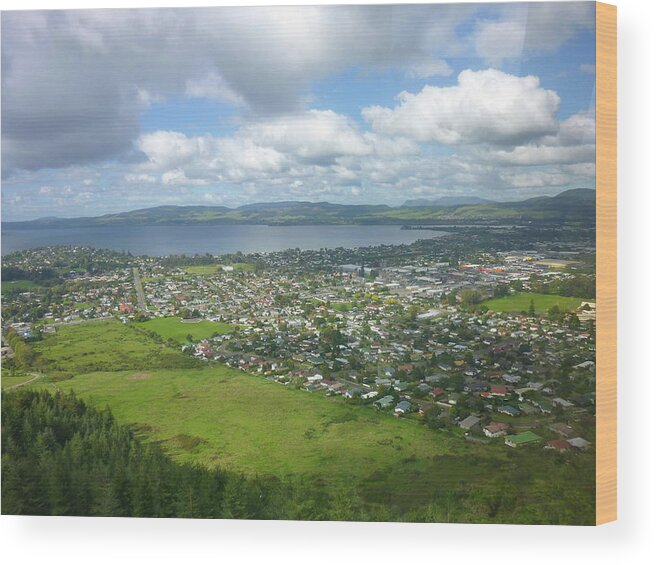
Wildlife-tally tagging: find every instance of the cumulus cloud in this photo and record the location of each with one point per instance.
(484, 107)
(74, 90)
(573, 143)
(274, 150)
(75, 82)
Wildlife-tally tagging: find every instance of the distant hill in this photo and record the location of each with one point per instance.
(576, 205)
(446, 201)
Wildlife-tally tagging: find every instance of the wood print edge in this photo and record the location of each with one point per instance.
(606, 178)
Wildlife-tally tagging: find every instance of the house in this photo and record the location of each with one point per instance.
(561, 445)
(474, 386)
(469, 422)
(513, 379)
(125, 309)
(498, 391)
(423, 388)
(437, 392)
(384, 402)
(436, 378)
(353, 392)
(402, 407)
(370, 394)
(579, 443)
(496, 429)
(522, 439)
(562, 402)
(509, 410)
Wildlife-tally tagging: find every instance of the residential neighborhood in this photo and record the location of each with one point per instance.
(427, 339)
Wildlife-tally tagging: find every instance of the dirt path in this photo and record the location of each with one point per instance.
(35, 378)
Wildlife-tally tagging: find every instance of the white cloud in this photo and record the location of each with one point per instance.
(313, 135)
(68, 74)
(484, 107)
(573, 143)
(274, 150)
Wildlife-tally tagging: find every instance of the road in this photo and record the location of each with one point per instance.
(35, 378)
(141, 297)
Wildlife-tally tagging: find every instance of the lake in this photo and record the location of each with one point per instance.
(216, 239)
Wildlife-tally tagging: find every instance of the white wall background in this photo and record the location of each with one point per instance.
(632, 539)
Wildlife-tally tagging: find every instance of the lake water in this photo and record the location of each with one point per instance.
(217, 240)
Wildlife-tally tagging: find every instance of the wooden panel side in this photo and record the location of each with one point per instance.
(606, 164)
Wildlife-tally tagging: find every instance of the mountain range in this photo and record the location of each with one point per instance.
(576, 205)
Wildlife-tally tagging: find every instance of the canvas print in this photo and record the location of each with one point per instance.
(300, 263)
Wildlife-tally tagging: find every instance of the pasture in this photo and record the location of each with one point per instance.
(521, 301)
(178, 330)
(19, 286)
(103, 346)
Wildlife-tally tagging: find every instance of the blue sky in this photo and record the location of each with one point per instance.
(105, 111)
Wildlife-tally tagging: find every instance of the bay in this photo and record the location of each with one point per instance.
(215, 239)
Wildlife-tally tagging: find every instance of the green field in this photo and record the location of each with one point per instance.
(220, 417)
(175, 328)
(103, 346)
(9, 382)
(521, 301)
(22, 285)
(201, 269)
(213, 269)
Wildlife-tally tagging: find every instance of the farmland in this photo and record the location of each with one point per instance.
(178, 330)
(521, 301)
(107, 345)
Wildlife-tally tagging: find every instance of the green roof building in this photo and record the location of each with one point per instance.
(522, 439)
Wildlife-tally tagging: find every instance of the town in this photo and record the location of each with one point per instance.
(487, 334)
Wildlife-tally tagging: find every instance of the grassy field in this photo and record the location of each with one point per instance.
(178, 330)
(8, 382)
(521, 301)
(106, 345)
(221, 417)
(201, 269)
(22, 285)
(212, 269)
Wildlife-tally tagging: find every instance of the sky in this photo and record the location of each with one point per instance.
(112, 110)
